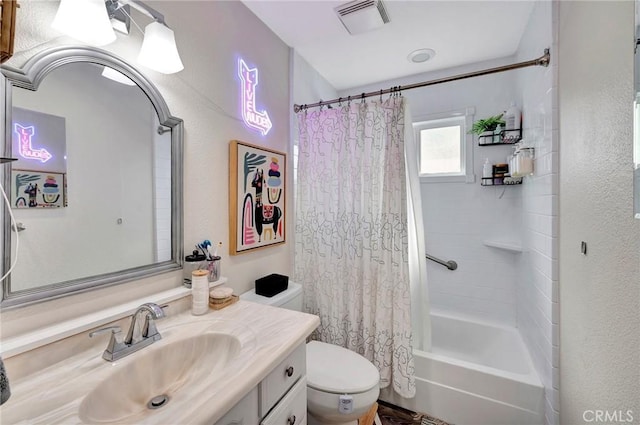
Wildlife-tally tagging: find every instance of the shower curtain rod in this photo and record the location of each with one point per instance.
(541, 61)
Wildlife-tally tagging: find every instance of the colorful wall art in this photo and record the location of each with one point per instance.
(35, 189)
(256, 197)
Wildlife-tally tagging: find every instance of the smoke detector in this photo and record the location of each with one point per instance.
(362, 15)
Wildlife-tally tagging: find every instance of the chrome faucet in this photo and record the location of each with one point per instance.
(118, 348)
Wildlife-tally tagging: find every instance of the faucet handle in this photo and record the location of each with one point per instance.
(113, 329)
(115, 343)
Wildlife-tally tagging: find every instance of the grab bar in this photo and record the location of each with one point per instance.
(451, 265)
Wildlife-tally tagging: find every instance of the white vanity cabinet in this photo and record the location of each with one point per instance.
(280, 399)
(243, 413)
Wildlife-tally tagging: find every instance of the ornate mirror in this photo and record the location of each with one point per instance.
(95, 190)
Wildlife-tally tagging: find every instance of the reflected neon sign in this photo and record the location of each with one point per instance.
(257, 120)
(25, 149)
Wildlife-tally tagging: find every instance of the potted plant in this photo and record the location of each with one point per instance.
(487, 126)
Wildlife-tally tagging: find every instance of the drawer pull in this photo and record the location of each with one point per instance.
(291, 420)
(289, 373)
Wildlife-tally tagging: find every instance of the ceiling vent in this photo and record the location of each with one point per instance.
(362, 15)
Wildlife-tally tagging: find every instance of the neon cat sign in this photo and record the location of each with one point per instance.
(257, 120)
(25, 134)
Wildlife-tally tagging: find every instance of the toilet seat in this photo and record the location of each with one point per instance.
(336, 370)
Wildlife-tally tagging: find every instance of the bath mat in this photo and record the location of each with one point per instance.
(390, 414)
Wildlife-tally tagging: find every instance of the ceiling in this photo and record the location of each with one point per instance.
(461, 32)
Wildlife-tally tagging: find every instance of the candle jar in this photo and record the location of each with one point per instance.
(192, 263)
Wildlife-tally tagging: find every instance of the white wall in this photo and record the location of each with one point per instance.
(211, 36)
(458, 217)
(307, 86)
(600, 291)
(537, 283)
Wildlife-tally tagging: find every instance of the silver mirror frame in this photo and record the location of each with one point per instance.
(29, 77)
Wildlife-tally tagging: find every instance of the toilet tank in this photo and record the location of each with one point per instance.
(291, 298)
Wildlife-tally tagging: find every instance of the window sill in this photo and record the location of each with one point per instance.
(448, 179)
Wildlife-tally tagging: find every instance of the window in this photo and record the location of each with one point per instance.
(445, 148)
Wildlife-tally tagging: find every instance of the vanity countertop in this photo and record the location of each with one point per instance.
(267, 335)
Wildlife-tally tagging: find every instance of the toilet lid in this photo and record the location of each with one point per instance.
(337, 370)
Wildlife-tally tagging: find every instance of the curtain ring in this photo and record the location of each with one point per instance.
(320, 104)
(339, 101)
(349, 101)
(362, 99)
(380, 95)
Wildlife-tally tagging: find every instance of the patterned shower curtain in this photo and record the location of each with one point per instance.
(351, 249)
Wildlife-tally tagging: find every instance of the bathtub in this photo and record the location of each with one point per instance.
(476, 374)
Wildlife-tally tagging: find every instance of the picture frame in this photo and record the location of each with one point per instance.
(38, 189)
(257, 197)
(8, 11)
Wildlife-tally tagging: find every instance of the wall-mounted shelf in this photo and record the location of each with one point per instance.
(501, 181)
(504, 137)
(506, 246)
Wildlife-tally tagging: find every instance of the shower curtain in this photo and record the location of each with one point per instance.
(351, 249)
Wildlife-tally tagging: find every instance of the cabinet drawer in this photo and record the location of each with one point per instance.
(278, 382)
(292, 409)
(243, 413)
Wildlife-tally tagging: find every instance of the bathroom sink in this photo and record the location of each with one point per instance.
(151, 379)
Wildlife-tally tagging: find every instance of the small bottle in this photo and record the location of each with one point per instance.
(487, 173)
(526, 161)
(514, 169)
(199, 292)
(512, 122)
(512, 117)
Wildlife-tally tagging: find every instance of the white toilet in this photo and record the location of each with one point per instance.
(341, 384)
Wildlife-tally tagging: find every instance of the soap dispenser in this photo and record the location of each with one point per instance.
(513, 122)
(487, 173)
(512, 117)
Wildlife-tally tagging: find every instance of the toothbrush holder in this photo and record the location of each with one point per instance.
(213, 266)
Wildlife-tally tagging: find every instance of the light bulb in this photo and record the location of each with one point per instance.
(159, 51)
(85, 20)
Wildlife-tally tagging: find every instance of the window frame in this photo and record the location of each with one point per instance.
(464, 116)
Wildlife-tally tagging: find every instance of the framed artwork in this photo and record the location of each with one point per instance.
(8, 9)
(256, 197)
(38, 189)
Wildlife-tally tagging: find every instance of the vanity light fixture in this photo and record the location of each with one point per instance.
(159, 50)
(93, 21)
(84, 20)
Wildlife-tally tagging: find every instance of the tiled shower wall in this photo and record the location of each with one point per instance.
(537, 287)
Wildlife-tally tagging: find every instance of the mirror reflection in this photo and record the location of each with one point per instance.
(91, 190)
